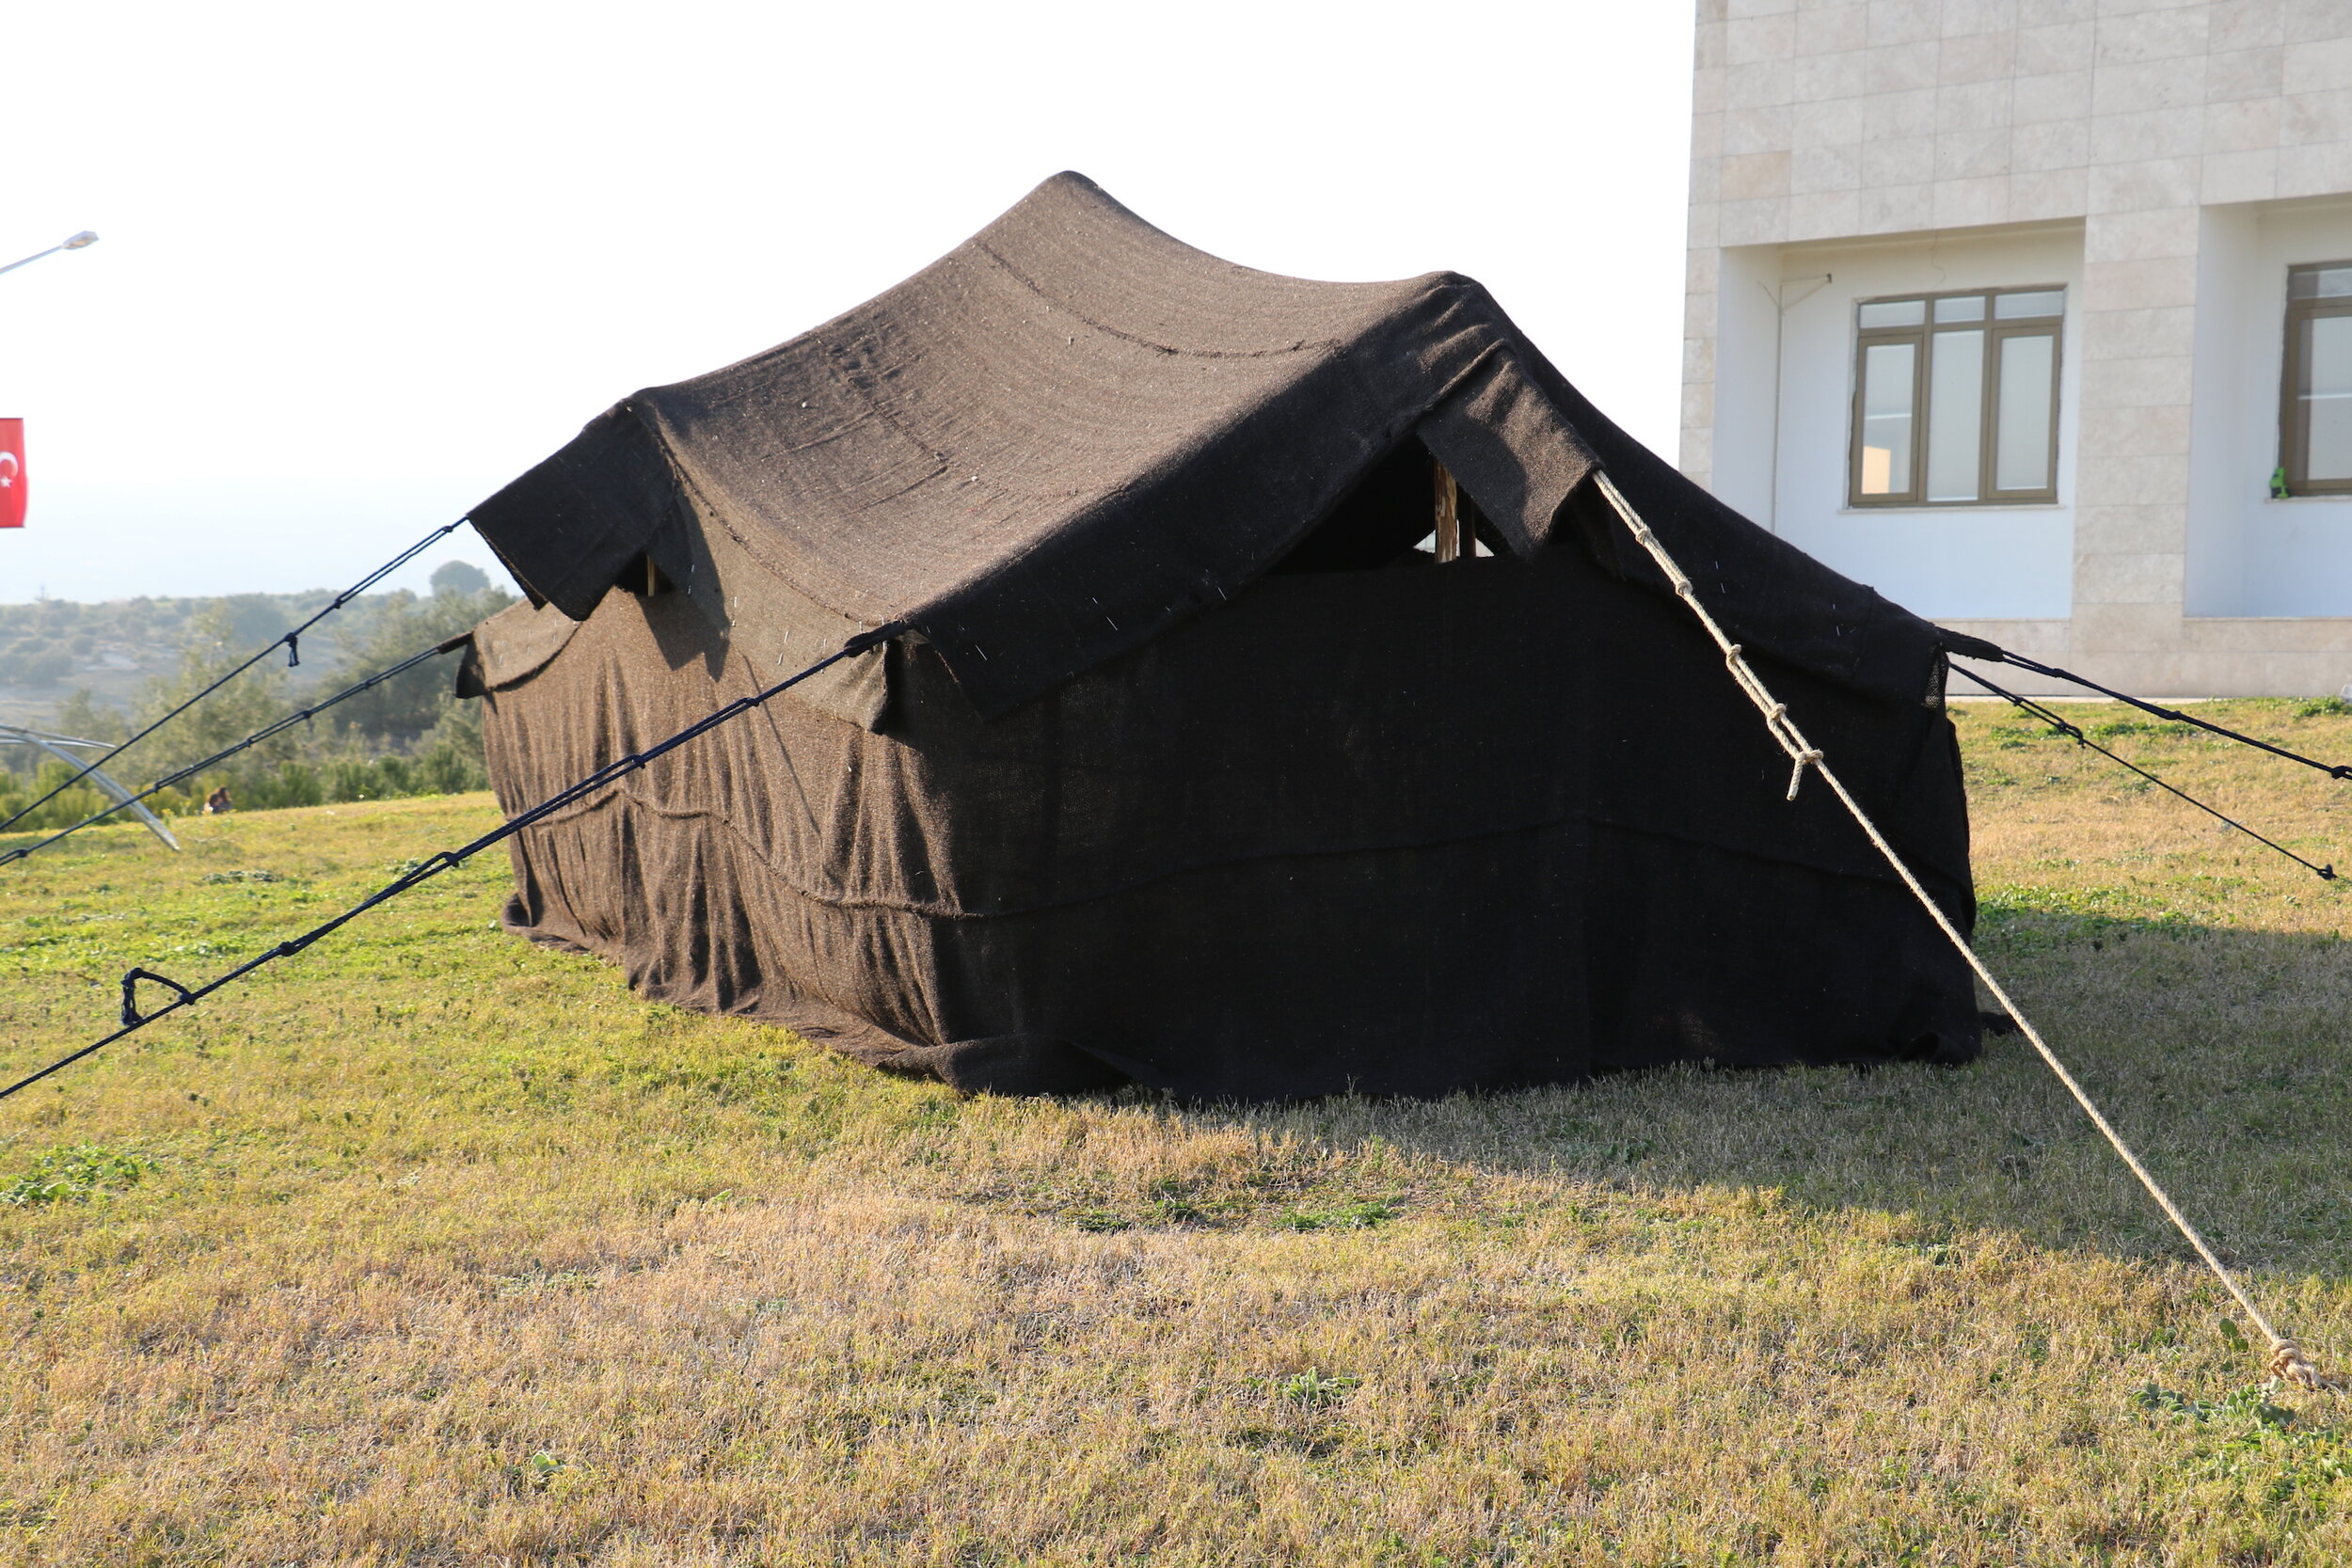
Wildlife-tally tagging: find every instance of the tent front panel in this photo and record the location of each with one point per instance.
(1501, 822)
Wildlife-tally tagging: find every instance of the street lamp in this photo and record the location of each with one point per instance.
(78, 241)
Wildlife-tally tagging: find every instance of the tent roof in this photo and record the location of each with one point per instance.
(1074, 430)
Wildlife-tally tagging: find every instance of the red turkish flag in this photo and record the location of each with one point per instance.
(11, 473)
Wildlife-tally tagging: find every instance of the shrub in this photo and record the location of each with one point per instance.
(61, 812)
(447, 769)
(293, 783)
(354, 779)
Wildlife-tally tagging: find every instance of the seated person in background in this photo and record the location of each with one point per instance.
(217, 801)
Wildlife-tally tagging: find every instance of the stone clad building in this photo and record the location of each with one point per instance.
(2037, 315)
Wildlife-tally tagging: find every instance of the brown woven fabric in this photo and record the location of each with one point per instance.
(1196, 773)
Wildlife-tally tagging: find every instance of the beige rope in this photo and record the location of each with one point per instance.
(2287, 1360)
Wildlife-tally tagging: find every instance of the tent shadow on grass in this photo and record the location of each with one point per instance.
(2220, 1053)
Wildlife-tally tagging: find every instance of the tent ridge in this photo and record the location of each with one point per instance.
(1065, 308)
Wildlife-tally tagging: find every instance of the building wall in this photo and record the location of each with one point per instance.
(1945, 563)
(2249, 555)
(2172, 160)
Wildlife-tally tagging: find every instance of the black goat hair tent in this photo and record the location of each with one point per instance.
(1194, 771)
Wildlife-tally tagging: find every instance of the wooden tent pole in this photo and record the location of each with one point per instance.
(1455, 541)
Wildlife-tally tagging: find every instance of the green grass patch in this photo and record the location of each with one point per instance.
(75, 1173)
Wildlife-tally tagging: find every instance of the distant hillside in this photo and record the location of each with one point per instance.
(55, 648)
(105, 671)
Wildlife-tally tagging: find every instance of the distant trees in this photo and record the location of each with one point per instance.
(457, 576)
(410, 736)
(35, 661)
(112, 647)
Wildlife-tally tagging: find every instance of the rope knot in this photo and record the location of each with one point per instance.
(2288, 1363)
(1799, 762)
(132, 1017)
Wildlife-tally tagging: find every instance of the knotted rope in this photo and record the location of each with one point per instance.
(2287, 1361)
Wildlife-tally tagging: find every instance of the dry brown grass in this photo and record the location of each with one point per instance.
(450, 1251)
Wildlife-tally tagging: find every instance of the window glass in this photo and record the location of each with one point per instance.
(2043, 302)
(2319, 282)
(1886, 396)
(1955, 415)
(2021, 459)
(1956, 400)
(2326, 398)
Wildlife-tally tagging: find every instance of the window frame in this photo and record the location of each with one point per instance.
(1914, 337)
(2294, 431)
(1921, 338)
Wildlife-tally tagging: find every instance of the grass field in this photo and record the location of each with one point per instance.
(429, 1246)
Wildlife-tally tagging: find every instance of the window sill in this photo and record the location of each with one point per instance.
(2339, 498)
(1969, 509)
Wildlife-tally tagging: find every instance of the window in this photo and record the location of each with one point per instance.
(2315, 403)
(1956, 399)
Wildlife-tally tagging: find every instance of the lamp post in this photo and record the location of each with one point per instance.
(76, 242)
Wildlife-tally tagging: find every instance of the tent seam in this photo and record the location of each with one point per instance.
(622, 793)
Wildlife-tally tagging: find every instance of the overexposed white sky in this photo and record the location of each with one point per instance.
(360, 266)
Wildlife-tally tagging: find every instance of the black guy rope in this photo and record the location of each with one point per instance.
(192, 770)
(290, 641)
(2073, 732)
(2052, 670)
(183, 996)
